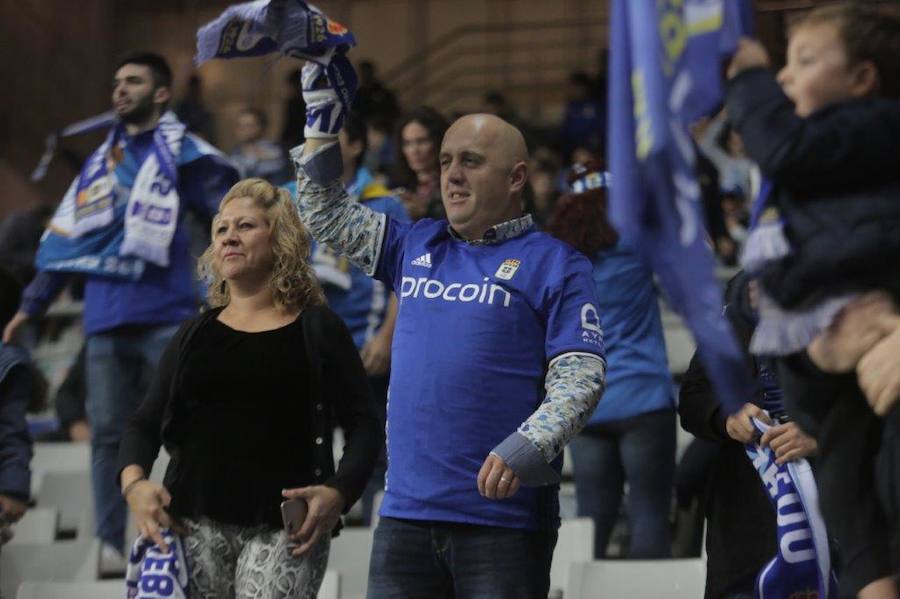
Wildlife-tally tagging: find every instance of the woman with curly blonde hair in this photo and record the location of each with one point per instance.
(243, 401)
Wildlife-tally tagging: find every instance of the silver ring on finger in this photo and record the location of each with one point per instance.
(505, 480)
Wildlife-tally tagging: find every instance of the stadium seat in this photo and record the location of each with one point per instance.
(660, 579)
(38, 525)
(575, 544)
(68, 492)
(111, 589)
(331, 585)
(349, 556)
(62, 561)
(58, 457)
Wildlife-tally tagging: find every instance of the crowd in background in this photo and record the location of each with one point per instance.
(392, 164)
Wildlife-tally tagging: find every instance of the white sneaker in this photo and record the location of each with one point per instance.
(112, 562)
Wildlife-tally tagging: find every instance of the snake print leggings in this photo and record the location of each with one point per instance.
(226, 560)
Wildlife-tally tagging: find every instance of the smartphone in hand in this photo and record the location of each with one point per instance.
(293, 513)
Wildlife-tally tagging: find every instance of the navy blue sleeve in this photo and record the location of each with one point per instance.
(203, 182)
(848, 144)
(15, 442)
(41, 292)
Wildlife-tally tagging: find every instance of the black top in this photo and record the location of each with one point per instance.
(245, 435)
(243, 416)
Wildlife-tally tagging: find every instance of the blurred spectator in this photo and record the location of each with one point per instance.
(736, 215)
(70, 404)
(20, 236)
(584, 121)
(373, 100)
(16, 392)
(741, 527)
(417, 171)
(381, 152)
(544, 192)
(193, 113)
(630, 437)
(724, 246)
(133, 305)
(294, 113)
(367, 307)
(256, 156)
(496, 103)
(723, 146)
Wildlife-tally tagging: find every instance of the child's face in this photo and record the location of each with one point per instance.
(817, 73)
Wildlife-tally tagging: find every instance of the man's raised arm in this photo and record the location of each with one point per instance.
(345, 226)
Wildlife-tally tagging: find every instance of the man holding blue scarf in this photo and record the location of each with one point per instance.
(121, 224)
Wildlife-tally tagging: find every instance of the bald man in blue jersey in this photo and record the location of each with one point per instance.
(497, 363)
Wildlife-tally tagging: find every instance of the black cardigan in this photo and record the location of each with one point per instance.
(338, 385)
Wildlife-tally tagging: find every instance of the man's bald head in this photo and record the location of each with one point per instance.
(483, 172)
(506, 139)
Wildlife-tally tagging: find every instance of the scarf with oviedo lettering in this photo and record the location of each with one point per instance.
(290, 27)
(802, 567)
(90, 233)
(152, 574)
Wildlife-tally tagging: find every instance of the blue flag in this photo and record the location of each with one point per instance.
(665, 73)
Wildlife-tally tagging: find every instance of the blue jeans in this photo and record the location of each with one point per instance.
(442, 560)
(120, 364)
(641, 451)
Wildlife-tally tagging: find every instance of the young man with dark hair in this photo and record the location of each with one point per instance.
(121, 224)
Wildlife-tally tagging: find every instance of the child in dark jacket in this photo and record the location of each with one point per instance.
(827, 239)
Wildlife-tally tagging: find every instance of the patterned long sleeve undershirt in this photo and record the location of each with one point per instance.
(574, 381)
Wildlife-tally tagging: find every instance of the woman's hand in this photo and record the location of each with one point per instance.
(788, 442)
(147, 501)
(739, 425)
(325, 506)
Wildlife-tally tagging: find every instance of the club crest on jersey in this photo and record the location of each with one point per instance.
(507, 269)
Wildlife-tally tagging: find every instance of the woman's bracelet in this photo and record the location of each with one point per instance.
(130, 486)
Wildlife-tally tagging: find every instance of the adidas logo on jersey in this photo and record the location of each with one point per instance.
(423, 260)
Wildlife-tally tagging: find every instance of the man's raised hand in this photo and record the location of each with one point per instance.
(324, 110)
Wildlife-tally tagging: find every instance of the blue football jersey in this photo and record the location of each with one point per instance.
(478, 326)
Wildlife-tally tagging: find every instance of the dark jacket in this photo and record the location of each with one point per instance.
(338, 387)
(740, 533)
(837, 185)
(15, 442)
